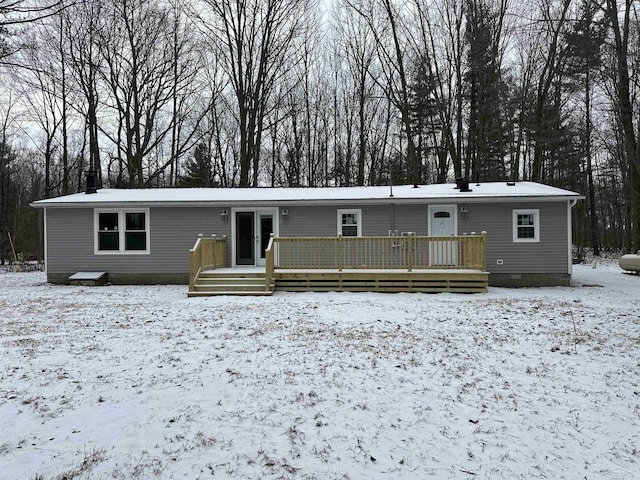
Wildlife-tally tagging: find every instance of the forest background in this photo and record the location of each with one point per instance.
(259, 93)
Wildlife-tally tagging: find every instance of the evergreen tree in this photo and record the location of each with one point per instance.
(486, 91)
(424, 111)
(585, 41)
(198, 170)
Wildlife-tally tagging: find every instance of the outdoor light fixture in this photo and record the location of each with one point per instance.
(225, 214)
(284, 212)
(464, 209)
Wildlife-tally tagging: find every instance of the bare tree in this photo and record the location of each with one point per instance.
(622, 16)
(386, 24)
(81, 28)
(256, 46)
(149, 76)
(42, 92)
(551, 57)
(18, 13)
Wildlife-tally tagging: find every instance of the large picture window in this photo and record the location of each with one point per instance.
(526, 225)
(122, 231)
(350, 223)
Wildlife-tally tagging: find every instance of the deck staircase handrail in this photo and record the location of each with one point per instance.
(206, 254)
(269, 263)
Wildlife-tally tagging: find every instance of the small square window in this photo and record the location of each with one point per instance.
(135, 241)
(526, 226)
(135, 221)
(350, 223)
(108, 221)
(108, 241)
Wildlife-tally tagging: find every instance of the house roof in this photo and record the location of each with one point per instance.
(485, 192)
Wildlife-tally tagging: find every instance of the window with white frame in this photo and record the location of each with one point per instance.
(350, 223)
(121, 231)
(526, 225)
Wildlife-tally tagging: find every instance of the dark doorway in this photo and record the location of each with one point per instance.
(245, 246)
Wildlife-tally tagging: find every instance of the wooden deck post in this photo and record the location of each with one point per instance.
(201, 239)
(192, 269)
(340, 252)
(269, 263)
(483, 250)
(223, 248)
(410, 252)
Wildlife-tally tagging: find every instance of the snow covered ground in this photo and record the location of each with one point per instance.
(141, 382)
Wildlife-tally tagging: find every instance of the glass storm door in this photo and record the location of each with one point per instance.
(245, 238)
(265, 229)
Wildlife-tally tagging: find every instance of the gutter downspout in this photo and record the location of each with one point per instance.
(570, 205)
(393, 221)
(46, 244)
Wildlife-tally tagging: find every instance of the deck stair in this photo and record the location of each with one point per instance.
(212, 282)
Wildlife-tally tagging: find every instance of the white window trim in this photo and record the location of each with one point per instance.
(536, 225)
(121, 231)
(357, 211)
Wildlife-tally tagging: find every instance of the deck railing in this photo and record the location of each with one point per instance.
(207, 253)
(410, 252)
(350, 253)
(269, 263)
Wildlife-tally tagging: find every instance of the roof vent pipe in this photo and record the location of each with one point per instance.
(91, 182)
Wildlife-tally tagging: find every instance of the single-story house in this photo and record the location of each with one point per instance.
(145, 236)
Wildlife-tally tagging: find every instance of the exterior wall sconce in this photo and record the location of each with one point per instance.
(224, 214)
(284, 212)
(464, 212)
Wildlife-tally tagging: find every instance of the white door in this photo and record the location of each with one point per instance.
(443, 223)
(265, 226)
(252, 229)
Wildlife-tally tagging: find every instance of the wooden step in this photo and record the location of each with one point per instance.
(234, 287)
(215, 274)
(229, 281)
(211, 282)
(214, 293)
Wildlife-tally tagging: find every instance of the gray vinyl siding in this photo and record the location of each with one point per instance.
(173, 231)
(549, 255)
(377, 220)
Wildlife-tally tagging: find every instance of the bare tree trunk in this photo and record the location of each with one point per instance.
(625, 112)
(552, 61)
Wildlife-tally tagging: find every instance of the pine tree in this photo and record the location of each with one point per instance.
(426, 121)
(585, 41)
(198, 170)
(486, 92)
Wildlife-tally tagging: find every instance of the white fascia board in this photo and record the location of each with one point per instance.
(302, 202)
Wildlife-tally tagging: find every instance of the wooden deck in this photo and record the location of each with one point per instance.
(370, 264)
(252, 281)
(428, 281)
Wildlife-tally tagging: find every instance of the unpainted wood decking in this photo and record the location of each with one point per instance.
(227, 281)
